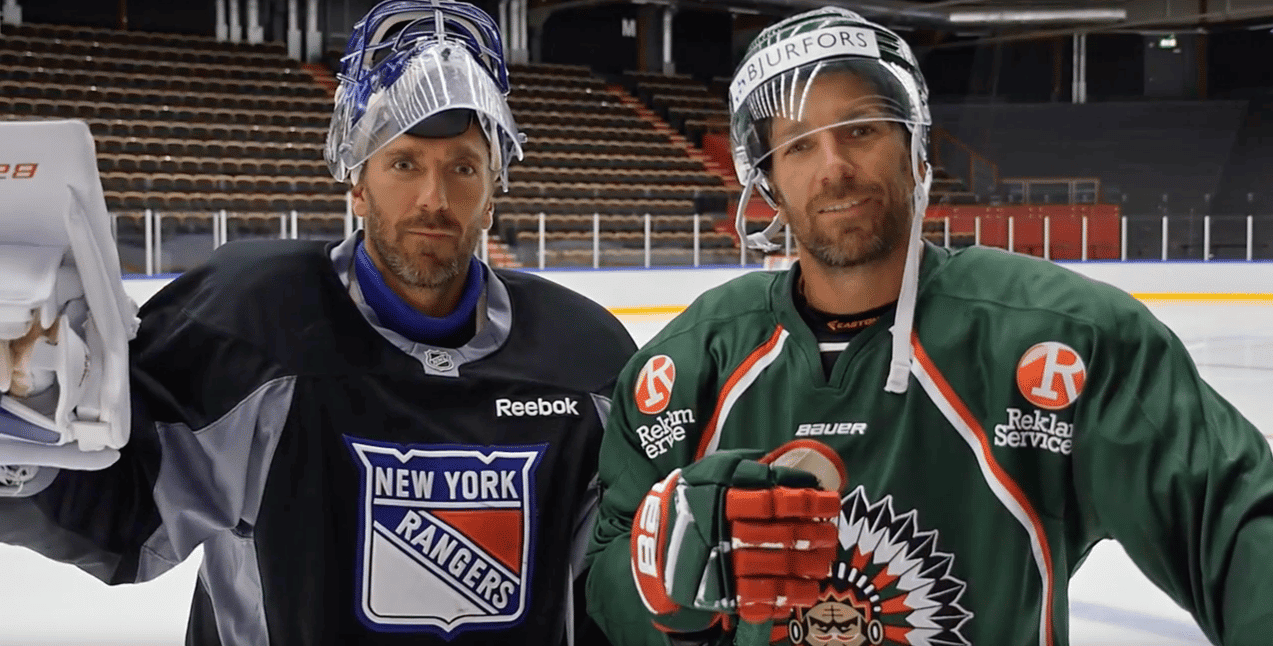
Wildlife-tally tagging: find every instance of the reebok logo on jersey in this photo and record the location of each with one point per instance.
(1026, 430)
(654, 385)
(1050, 375)
(536, 407)
(831, 428)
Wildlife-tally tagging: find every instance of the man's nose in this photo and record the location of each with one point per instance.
(432, 192)
(836, 159)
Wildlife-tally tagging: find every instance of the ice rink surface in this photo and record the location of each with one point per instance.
(1112, 604)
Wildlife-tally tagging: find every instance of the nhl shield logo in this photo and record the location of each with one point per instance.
(439, 360)
(446, 535)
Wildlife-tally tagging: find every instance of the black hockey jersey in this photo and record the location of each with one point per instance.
(348, 485)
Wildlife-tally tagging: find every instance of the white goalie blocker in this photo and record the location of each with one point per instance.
(65, 320)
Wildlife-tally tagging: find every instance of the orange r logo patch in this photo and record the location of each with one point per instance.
(654, 384)
(1051, 375)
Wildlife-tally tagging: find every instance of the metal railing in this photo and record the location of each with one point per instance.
(647, 240)
(154, 242)
(1163, 238)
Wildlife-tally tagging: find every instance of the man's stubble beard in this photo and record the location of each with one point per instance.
(853, 246)
(428, 272)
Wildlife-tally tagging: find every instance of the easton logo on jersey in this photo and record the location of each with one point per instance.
(446, 535)
(654, 384)
(1050, 375)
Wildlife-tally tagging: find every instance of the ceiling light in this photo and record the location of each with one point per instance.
(1037, 15)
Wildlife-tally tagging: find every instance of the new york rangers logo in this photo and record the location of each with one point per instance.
(446, 535)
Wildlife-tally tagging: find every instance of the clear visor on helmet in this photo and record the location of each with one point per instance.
(854, 95)
(437, 76)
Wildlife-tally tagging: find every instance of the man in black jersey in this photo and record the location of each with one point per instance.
(380, 441)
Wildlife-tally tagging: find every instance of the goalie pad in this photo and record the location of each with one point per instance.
(65, 320)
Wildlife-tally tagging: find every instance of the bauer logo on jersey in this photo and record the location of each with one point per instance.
(1050, 375)
(446, 535)
(654, 384)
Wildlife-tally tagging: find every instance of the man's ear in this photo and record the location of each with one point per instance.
(490, 215)
(359, 199)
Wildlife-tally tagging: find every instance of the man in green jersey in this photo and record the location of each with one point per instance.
(991, 416)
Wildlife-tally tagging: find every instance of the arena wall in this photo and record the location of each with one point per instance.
(663, 291)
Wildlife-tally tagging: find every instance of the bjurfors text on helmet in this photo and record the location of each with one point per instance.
(790, 54)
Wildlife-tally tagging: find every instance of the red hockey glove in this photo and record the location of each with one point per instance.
(733, 535)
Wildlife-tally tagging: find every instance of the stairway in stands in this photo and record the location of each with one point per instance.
(654, 120)
(498, 253)
(709, 161)
(322, 76)
(597, 173)
(659, 124)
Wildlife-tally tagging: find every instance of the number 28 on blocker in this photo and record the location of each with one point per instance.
(17, 171)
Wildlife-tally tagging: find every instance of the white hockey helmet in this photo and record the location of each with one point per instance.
(773, 80)
(425, 67)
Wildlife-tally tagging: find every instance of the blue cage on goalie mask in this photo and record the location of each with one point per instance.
(408, 60)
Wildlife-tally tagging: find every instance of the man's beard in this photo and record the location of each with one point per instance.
(853, 244)
(432, 269)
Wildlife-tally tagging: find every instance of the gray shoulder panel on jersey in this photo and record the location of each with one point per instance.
(494, 319)
(584, 524)
(232, 579)
(602, 404)
(592, 498)
(211, 479)
(583, 529)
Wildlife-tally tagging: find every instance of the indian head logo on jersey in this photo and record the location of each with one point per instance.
(1050, 375)
(891, 585)
(654, 384)
(446, 535)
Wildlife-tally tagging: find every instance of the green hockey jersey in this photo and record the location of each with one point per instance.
(1045, 412)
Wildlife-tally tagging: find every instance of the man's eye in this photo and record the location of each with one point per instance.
(465, 169)
(402, 164)
(862, 130)
(796, 147)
